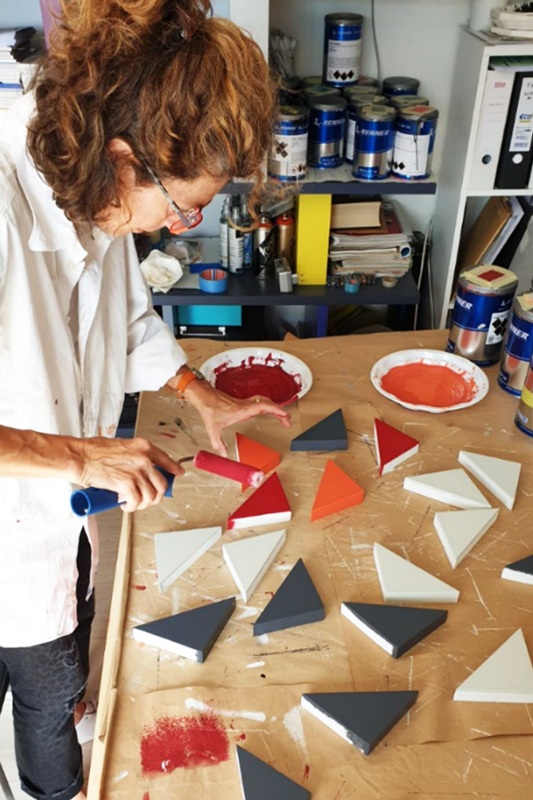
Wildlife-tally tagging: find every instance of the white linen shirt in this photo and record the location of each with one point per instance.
(55, 382)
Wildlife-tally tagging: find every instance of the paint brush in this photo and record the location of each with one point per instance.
(226, 468)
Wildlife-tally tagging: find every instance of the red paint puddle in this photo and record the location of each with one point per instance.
(183, 743)
(168, 435)
(140, 588)
(307, 770)
(429, 385)
(267, 380)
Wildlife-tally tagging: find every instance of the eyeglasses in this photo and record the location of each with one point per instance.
(190, 219)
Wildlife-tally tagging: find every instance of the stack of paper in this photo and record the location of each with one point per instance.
(513, 21)
(381, 251)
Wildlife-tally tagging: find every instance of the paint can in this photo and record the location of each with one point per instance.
(524, 415)
(351, 121)
(319, 91)
(400, 85)
(374, 142)
(366, 80)
(518, 349)
(311, 80)
(481, 313)
(352, 92)
(327, 123)
(414, 141)
(342, 49)
(264, 248)
(402, 100)
(288, 154)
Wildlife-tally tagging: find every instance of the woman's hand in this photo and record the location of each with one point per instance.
(126, 466)
(218, 411)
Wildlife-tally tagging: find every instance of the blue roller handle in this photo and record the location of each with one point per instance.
(89, 501)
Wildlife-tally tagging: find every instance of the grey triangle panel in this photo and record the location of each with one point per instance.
(402, 627)
(198, 628)
(329, 434)
(524, 565)
(296, 602)
(260, 781)
(367, 716)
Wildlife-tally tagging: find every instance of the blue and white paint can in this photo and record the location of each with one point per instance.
(356, 103)
(481, 313)
(518, 349)
(400, 85)
(374, 143)
(288, 154)
(414, 141)
(327, 124)
(342, 49)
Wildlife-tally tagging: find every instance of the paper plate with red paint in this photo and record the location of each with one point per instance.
(429, 380)
(249, 371)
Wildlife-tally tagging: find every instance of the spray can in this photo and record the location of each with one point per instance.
(285, 239)
(246, 221)
(236, 243)
(481, 313)
(400, 85)
(342, 49)
(374, 143)
(224, 228)
(518, 350)
(264, 248)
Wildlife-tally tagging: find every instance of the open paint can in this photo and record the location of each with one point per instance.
(481, 313)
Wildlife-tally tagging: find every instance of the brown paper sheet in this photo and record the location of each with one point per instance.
(338, 553)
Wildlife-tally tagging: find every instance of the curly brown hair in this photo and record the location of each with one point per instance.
(189, 92)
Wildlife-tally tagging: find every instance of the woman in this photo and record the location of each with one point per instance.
(140, 114)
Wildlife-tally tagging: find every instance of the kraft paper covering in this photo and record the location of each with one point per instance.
(441, 747)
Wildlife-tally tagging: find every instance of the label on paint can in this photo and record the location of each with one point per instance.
(524, 415)
(326, 133)
(413, 148)
(288, 155)
(485, 319)
(517, 354)
(342, 50)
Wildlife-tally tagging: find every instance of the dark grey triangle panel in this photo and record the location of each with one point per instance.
(524, 565)
(329, 434)
(198, 628)
(296, 602)
(262, 782)
(366, 716)
(402, 627)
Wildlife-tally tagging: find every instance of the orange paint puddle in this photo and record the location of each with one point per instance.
(429, 385)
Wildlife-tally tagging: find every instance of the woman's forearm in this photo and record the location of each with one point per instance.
(28, 454)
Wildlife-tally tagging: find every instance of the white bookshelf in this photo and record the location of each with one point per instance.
(472, 64)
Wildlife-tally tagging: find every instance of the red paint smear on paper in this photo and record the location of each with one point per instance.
(267, 380)
(429, 385)
(307, 770)
(140, 587)
(183, 743)
(168, 435)
(146, 796)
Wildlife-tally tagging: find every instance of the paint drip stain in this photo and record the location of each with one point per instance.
(146, 796)
(307, 770)
(241, 738)
(183, 743)
(140, 587)
(429, 385)
(250, 378)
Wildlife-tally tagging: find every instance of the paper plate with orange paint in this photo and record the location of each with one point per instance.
(429, 380)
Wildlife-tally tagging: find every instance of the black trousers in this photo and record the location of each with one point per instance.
(47, 682)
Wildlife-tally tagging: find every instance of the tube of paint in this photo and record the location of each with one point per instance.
(86, 502)
(226, 468)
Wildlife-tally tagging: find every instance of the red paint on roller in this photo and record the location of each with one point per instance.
(226, 468)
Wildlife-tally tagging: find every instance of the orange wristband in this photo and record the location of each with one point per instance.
(185, 379)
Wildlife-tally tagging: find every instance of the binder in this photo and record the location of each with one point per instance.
(516, 156)
(491, 127)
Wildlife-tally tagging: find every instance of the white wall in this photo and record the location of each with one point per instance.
(19, 13)
(418, 38)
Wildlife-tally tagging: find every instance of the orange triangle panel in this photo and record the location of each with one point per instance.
(337, 492)
(256, 455)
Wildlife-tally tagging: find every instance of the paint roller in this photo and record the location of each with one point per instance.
(85, 502)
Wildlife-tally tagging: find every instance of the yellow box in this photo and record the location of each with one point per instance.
(312, 238)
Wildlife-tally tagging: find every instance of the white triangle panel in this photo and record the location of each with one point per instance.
(459, 531)
(505, 677)
(249, 559)
(498, 475)
(176, 552)
(403, 582)
(452, 486)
